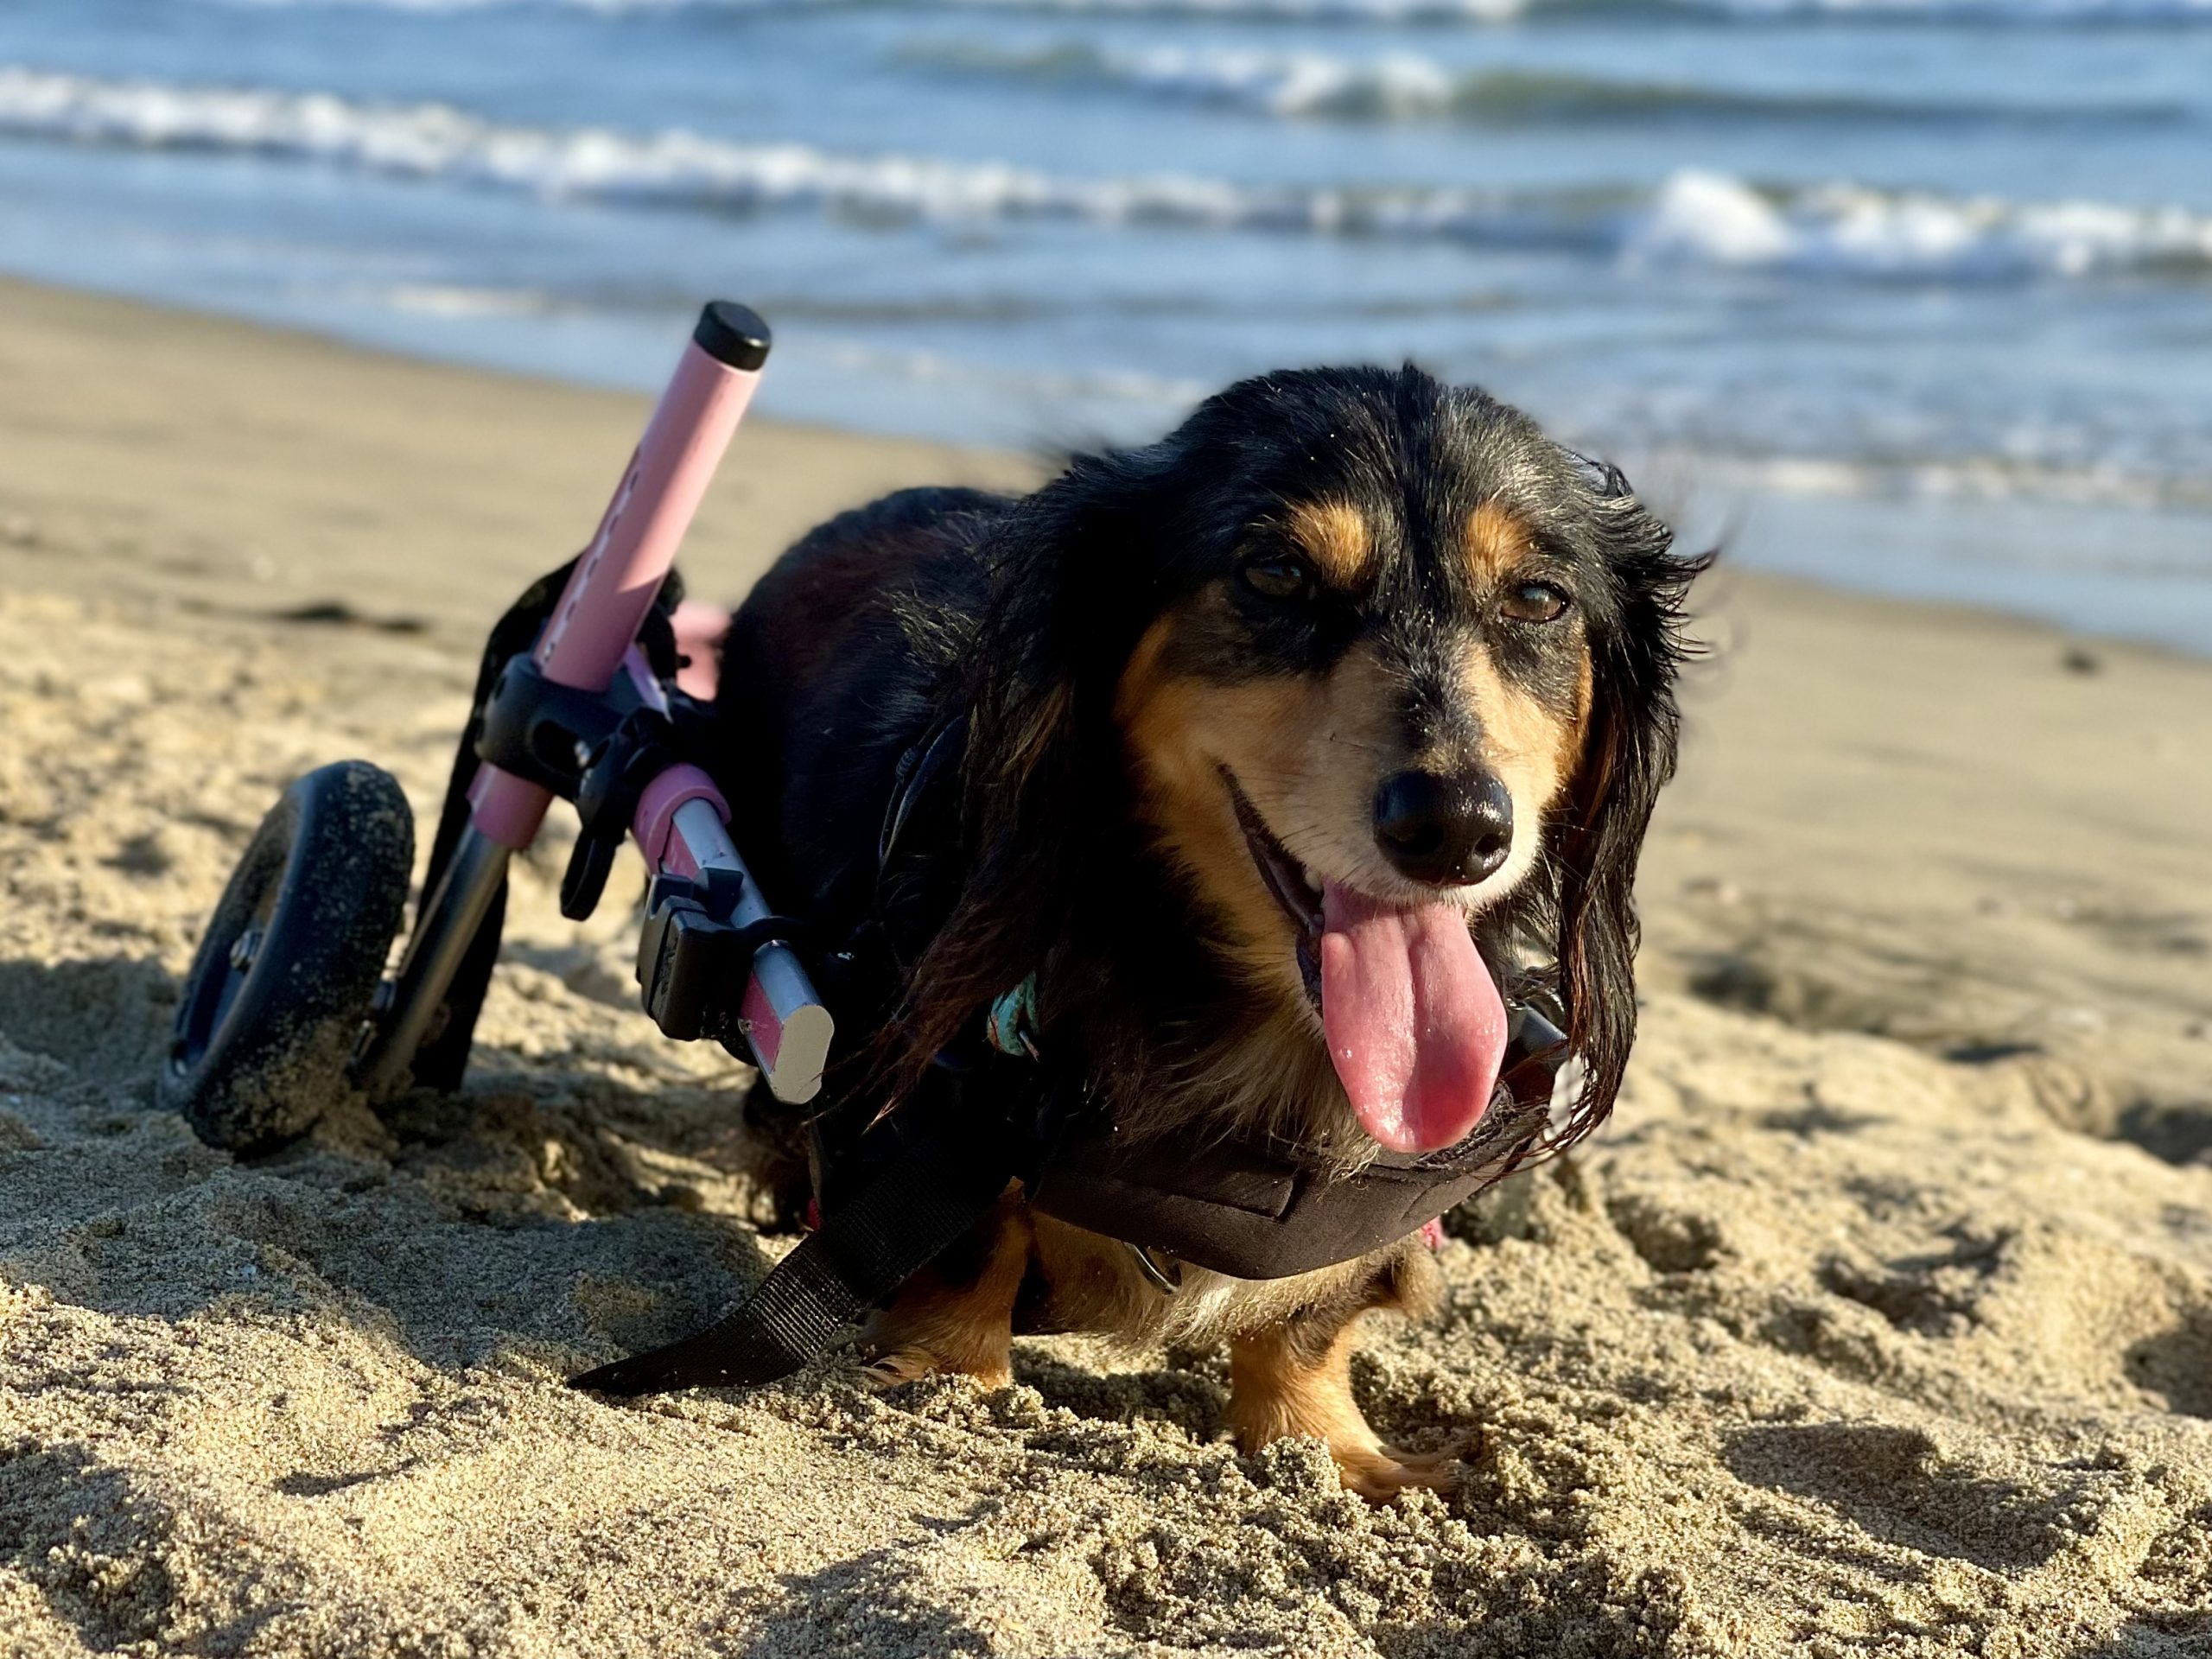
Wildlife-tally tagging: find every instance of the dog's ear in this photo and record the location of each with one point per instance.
(1636, 647)
(1072, 585)
(1075, 579)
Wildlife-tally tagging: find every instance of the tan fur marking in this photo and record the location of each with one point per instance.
(1306, 751)
(1140, 675)
(1277, 1391)
(1336, 537)
(1531, 748)
(967, 1330)
(1096, 1286)
(1180, 732)
(1496, 542)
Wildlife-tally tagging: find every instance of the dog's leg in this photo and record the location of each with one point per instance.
(956, 1315)
(1296, 1378)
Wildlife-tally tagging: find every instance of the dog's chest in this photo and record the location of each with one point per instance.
(1082, 1282)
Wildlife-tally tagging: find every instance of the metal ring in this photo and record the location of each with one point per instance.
(1163, 1280)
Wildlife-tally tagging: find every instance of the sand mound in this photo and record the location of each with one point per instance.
(1828, 1346)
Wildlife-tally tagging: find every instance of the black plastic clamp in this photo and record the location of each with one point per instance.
(694, 960)
(548, 733)
(599, 749)
(615, 777)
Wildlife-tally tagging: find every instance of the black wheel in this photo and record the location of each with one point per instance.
(286, 975)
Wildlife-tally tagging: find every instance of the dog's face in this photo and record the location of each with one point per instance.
(1374, 671)
(1376, 683)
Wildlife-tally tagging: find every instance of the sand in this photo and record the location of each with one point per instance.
(1880, 1321)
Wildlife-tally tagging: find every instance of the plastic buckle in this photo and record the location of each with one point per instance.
(614, 779)
(681, 957)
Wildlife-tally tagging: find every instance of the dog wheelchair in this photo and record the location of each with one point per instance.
(287, 1001)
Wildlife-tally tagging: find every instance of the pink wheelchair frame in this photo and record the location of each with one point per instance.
(286, 1000)
(681, 818)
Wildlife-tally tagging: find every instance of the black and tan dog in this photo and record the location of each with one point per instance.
(1294, 744)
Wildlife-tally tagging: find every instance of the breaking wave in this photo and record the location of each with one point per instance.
(1406, 87)
(1711, 218)
(1705, 217)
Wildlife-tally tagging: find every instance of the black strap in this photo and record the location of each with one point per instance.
(864, 1251)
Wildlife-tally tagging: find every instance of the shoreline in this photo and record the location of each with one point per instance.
(1808, 537)
(1878, 1322)
(437, 519)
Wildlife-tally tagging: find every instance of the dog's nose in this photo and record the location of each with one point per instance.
(1448, 831)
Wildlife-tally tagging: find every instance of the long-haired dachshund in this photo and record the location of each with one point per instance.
(1294, 744)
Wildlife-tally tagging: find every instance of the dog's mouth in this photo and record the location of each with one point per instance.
(1295, 888)
(1413, 1019)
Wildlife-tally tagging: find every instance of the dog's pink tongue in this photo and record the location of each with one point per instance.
(1414, 1022)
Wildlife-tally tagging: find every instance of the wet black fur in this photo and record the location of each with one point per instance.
(1022, 614)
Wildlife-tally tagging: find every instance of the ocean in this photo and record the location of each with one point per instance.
(1951, 253)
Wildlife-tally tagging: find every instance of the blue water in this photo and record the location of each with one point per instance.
(1927, 249)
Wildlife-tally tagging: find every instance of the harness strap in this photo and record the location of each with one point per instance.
(864, 1251)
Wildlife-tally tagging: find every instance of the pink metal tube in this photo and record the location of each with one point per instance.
(680, 827)
(615, 581)
(783, 1020)
(665, 851)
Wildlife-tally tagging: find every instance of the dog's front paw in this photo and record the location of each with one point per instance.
(1378, 1473)
(897, 1369)
(897, 1366)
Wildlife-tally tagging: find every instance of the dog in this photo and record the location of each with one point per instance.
(1294, 744)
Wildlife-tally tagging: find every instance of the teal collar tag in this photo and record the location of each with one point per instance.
(1011, 1023)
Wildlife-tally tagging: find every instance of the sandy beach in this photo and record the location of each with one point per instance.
(1878, 1322)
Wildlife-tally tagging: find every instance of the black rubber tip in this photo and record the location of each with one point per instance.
(732, 333)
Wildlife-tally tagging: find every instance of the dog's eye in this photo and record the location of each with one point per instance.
(1278, 576)
(1533, 602)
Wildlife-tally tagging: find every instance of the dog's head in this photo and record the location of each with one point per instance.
(1389, 676)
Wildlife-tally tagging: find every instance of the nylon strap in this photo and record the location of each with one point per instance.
(862, 1253)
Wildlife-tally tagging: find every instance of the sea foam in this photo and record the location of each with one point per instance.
(1707, 218)
(1847, 228)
